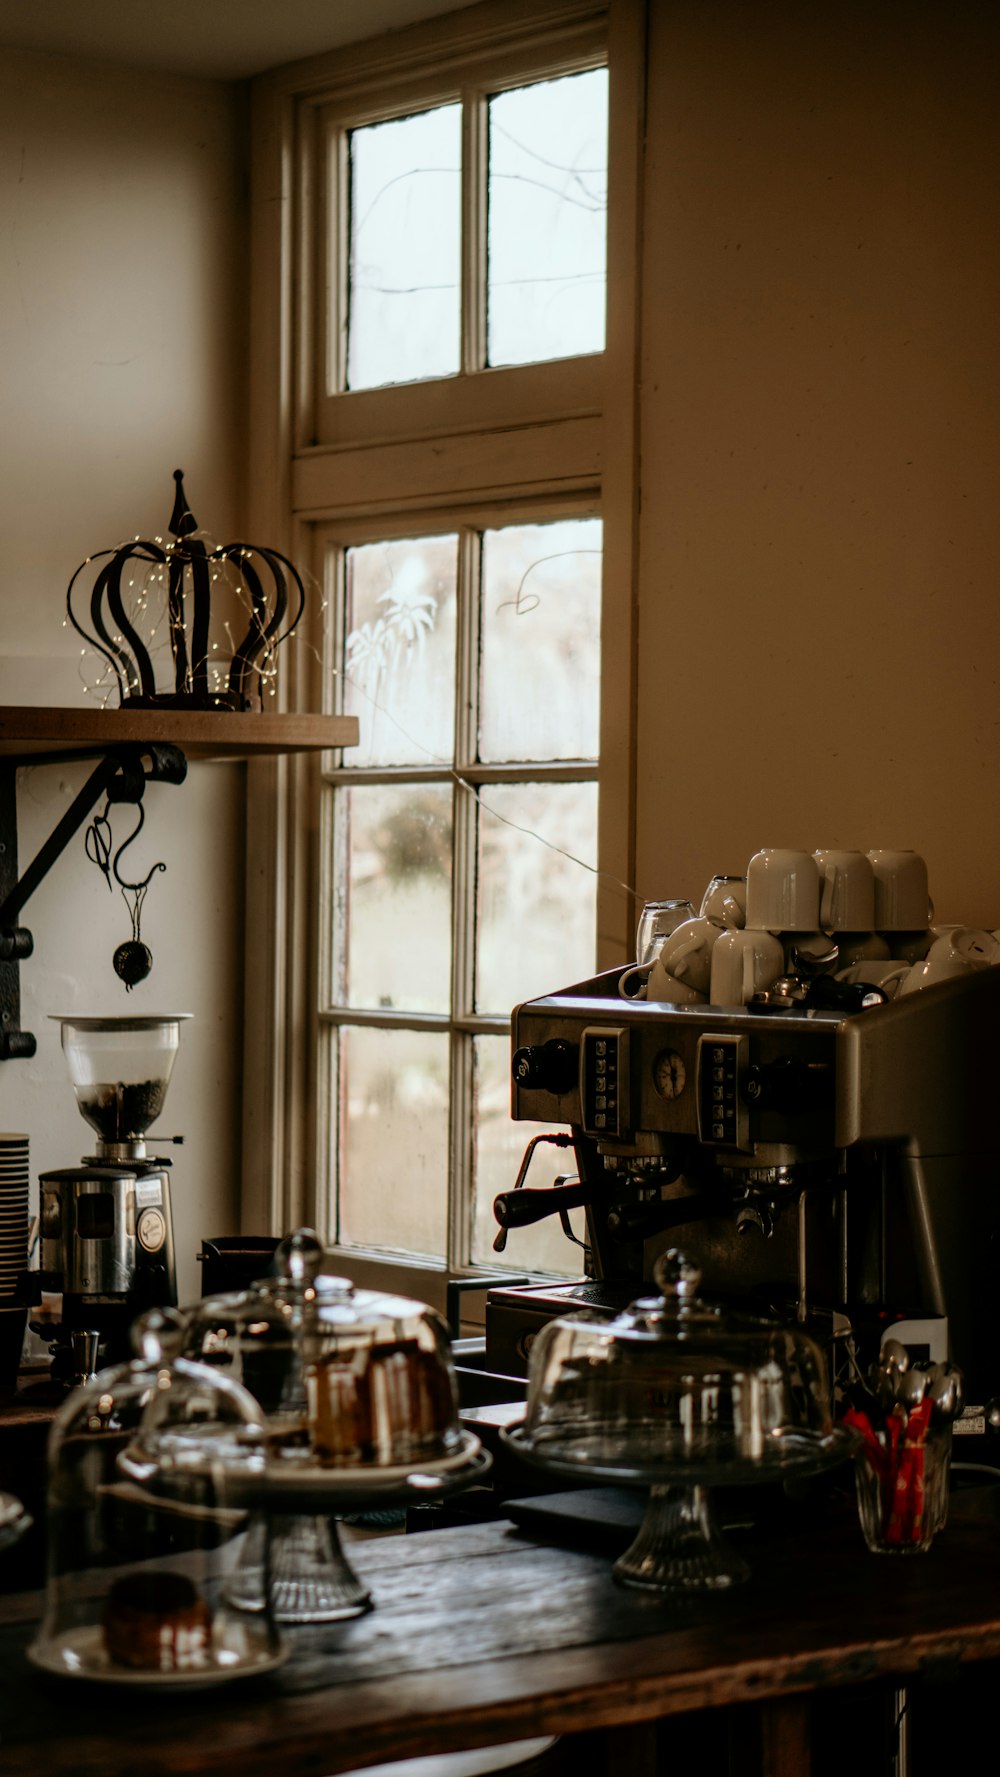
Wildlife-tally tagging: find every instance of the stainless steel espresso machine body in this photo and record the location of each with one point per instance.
(107, 1238)
(837, 1167)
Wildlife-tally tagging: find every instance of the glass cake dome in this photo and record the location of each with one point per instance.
(151, 1468)
(677, 1382)
(348, 1379)
(680, 1395)
(360, 1407)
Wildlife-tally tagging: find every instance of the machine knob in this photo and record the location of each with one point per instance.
(546, 1067)
(785, 1085)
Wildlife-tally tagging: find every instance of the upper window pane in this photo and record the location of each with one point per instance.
(548, 198)
(399, 655)
(541, 641)
(405, 249)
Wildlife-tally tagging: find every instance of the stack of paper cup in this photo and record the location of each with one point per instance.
(13, 1212)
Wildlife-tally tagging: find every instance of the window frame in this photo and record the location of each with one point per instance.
(461, 1022)
(485, 51)
(578, 443)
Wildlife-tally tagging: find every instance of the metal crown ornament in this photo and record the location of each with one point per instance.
(185, 624)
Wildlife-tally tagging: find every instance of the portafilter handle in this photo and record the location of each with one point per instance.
(558, 1140)
(519, 1209)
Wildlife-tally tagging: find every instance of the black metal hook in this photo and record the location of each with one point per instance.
(132, 887)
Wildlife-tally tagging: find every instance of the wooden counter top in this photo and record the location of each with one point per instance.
(483, 1635)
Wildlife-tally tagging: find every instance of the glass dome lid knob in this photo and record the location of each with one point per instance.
(677, 1277)
(300, 1257)
(158, 1335)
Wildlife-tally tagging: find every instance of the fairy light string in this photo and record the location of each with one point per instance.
(160, 619)
(154, 603)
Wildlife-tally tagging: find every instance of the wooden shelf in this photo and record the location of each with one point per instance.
(200, 734)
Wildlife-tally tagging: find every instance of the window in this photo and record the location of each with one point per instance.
(437, 266)
(541, 191)
(459, 865)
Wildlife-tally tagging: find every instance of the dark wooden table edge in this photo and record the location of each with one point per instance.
(597, 1687)
(523, 1695)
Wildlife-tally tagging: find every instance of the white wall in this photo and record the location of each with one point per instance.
(819, 621)
(122, 290)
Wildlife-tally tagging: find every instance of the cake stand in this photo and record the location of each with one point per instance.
(679, 1546)
(296, 1503)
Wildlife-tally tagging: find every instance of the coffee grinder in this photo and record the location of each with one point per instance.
(107, 1241)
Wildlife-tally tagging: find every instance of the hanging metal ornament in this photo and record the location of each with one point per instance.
(132, 960)
(185, 603)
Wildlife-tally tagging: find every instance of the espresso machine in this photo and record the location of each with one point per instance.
(107, 1239)
(837, 1167)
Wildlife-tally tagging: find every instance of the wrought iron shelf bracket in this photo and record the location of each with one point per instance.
(120, 776)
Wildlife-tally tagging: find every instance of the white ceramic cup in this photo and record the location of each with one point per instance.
(687, 953)
(665, 987)
(961, 951)
(632, 985)
(783, 891)
(888, 973)
(912, 947)
(744, 961)
(846, 891)
(725, 901)
(902, 900)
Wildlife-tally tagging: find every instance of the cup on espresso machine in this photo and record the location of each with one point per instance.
(744, 961)
(783, 891)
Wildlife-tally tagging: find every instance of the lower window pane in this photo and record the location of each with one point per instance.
(536, 926)
(499, 1148)
(394, 1141)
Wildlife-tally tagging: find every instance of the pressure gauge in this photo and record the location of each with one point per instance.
(669, 1074)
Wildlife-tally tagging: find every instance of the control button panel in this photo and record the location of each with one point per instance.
(604, 1085)
(723, 1117)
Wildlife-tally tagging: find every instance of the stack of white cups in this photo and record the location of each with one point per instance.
(863, 916)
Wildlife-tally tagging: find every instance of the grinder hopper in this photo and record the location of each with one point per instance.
(120, 1068)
